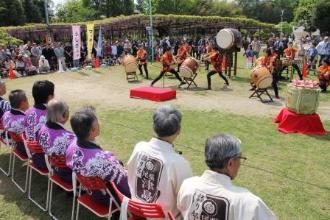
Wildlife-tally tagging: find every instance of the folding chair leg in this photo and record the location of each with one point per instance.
(50, 203)
(45, 208)
(23, 190)
(7, 172)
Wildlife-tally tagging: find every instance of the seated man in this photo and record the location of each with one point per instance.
(213, 195)
(87, 158)
(155, 170)
(43, 65)
(13, 120)
(42, 92)
(53, 137)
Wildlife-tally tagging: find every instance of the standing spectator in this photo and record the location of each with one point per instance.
(68, 53)
(35, 54)
(323, 49)
(49, 54)
(114, 51)
(256, 47)
(127, 47)
(249, 57)
(59, 52)
(155, 170)
(278, 46)
(213, 195)
(312, 56)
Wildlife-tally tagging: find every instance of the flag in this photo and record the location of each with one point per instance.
(99, 44)
(90, 39)
(76, 42)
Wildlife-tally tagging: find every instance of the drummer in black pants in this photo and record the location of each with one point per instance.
(216, 61)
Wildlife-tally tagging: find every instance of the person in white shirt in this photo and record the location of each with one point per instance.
(43, 65)
(155, 170)
(213, 195)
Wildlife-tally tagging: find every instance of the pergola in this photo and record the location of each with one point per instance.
(134, 26)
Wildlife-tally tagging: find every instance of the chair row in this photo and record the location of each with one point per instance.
(80, 185)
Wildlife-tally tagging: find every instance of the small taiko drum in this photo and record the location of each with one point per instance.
(189, 67)
(261, 77)
(228, 38)
(130, 64)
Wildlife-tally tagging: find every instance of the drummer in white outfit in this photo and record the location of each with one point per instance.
(213, 195)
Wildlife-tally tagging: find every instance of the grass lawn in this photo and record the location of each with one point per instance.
(289, 172)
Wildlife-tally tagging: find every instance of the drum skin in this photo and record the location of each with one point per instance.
(228, 38)
(259, 74)
(188, 67)
(130, 64)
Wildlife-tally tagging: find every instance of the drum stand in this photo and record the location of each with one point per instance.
(258, 92)
(131, 76)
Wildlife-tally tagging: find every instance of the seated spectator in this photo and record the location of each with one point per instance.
(20, 65)
(43, 65)
(13, 120)
(29, 68)
(4, 104)
(155, 170)
(53, 137)
(87, 158)
(213, 195)
(42, 92)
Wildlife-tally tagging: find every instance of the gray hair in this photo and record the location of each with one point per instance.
(219, 149)
(56, 110)
(166, 121)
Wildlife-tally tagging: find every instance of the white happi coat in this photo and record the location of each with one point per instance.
(155, 174)
(213, 196)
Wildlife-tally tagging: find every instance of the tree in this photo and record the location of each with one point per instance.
(74, 11)
(304, 12)
(321, 18)
(110, 7)
(11, 13)
(32, 12)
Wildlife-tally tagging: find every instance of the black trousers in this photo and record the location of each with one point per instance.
(211, 73)
(275, 81)
(295, 66)
(323, 85)
(145, 69)
(161, 74)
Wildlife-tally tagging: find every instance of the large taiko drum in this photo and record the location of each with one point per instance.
(228, 38)
(189, 67)
(261, 77)
(130, 64)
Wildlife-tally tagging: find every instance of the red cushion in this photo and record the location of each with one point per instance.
(291, 122)
(60, 182)
(98, 209)
(153, 93)
(21, 156)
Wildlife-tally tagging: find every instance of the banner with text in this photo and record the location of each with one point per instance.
(76, 42)
(90, 39)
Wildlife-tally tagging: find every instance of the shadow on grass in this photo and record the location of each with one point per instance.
(322, 137)
(83, 73)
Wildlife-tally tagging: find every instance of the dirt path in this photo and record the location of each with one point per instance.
(110, 89)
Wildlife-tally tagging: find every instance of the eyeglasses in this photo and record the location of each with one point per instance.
(242, 159)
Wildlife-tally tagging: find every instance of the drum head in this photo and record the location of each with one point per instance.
(225, 38)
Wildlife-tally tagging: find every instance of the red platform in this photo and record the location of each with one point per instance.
(291, 122)
(153, 93)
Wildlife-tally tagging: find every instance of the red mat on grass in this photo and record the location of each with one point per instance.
(153, 93)
(291, 122)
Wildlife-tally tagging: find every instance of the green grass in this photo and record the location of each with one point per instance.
(289, 172)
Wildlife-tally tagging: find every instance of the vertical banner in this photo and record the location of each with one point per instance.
(76, 42)
(99, 44)
(90, 39)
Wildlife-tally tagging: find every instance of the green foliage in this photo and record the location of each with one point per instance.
(11, 12)
(321, 18)
(110, 8)
(212, 7)
(74, 11)
(285, 26)
(32, 12)
(304, 12)
(6, 38)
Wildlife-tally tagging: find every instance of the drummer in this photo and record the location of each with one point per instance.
(208, 51)
(182, 55)
(167, 60)
(141, 57)
(270, 60)
(290, 53)
(215, 58)
(324, 75)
